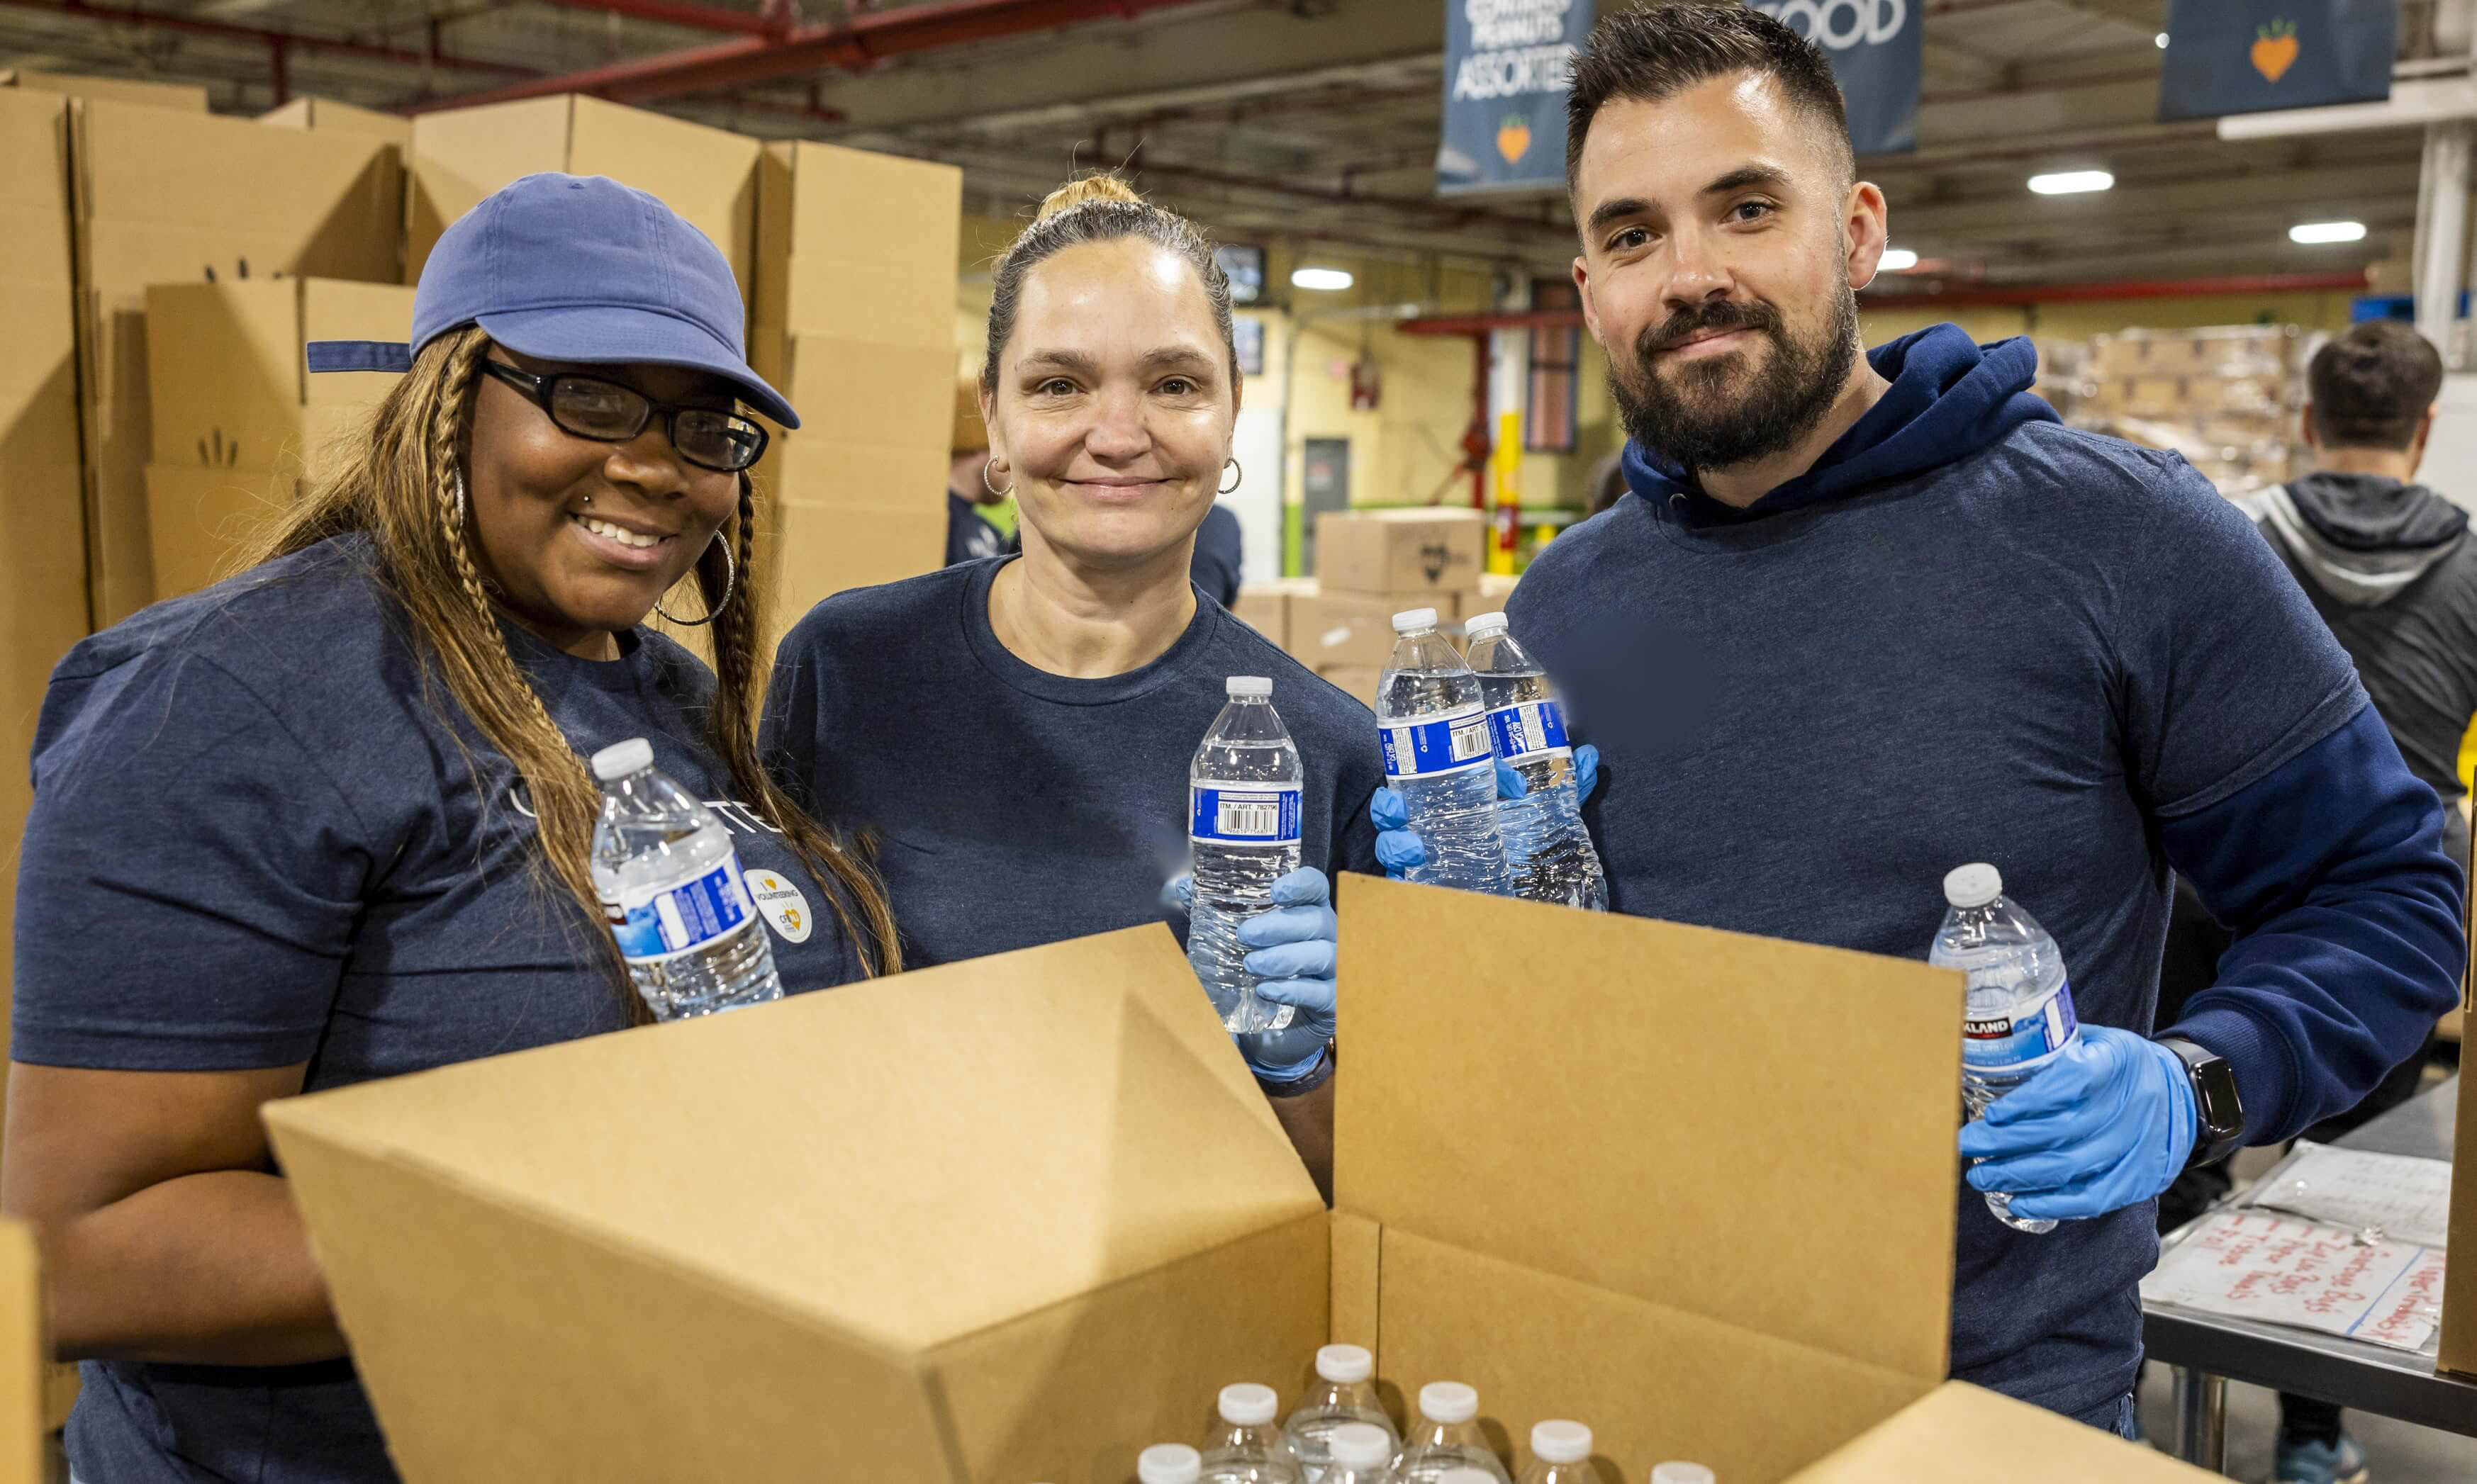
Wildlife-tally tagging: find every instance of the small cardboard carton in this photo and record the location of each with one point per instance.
(191, 97)
(227, 375)
(310, 112)
(199, 519)
(1265, 606)
(1331, 628)
(461, 156)
(1011, 1219)
(1433, 550)
(812, 551)
(25, 1361)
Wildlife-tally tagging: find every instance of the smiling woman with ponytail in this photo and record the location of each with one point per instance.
(331, 819)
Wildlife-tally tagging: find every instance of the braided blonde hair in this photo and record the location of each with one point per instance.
(402, 484)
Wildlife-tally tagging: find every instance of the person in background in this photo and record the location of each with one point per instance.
(1058, 695)
(1218, 555)
(1981, 637)
(2387, 566)
(330, 821)
(970, 535)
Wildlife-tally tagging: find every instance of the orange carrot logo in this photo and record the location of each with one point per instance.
(1513, 137)
(2274, 49)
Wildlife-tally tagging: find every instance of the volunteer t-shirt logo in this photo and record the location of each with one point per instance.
(781, 905)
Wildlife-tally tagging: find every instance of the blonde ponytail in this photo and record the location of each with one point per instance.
(1091, 188)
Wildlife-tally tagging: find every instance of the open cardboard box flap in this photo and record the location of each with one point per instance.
(1009, 1220)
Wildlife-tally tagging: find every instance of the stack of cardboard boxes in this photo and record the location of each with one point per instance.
(1370, 566)
(2225, 398)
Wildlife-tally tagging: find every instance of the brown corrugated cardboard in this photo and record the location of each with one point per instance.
(2459, 1347)
(1265, 606)
(167, 198)
(1330, 629)
(851, 391)
(811, 552)
(1011, 1219)
(24, 1365)
(198, 521)
(1435, 551)
(1360, 681)
(1950, 1437)
(342, 118)
(460, 156)
(813, 469)
(856, 250)
(191, 97)
(228, 385)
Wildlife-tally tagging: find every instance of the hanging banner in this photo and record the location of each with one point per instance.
(2258, 56)
(1876, 48)
(1507, 65)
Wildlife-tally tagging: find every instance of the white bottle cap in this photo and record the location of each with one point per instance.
(1972, 886)
(1248, 685)
(1560, 1442)
(1681, 1473)
(1473, 624)
(1248, 1404)
(1412, 620)
(1357, 1445)
(1448, 1402)
(1345, 1363)
(1168, 1463)
(622, 758)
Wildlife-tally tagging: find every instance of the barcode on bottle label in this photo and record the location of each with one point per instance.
(1448, 743)
(1245, 813)
(1531, 729)
(2014, 1044)
(663, 921)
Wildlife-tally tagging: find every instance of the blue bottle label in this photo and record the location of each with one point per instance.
(1531, 727)
(1448, 743)
(2010, 1045)
(1243, 813)
(663, 921)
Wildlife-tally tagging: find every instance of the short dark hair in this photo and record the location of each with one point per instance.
(2371, 386)
(1659, 50)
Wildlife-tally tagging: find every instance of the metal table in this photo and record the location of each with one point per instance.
(2207, 1350)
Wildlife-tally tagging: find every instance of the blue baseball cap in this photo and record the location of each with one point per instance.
(577, 268)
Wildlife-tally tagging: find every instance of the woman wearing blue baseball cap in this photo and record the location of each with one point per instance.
(329, 819)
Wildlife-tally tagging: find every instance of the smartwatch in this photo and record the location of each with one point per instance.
(2221, 1112)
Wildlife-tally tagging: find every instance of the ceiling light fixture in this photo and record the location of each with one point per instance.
(1321, 280)
(1897, 260)
(2313, 233)
(2072, 182)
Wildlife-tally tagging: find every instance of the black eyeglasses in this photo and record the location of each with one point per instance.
(608, 413)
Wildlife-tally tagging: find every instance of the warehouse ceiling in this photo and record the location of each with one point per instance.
(1311, 121)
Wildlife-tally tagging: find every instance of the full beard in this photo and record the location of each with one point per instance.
(1698, 414)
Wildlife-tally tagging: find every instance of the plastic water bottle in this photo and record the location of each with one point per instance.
(1547, 848)
(1248, 1445)
(671, 891)
(1345, 1392)
(1434, 730)
(1242, 795)
(1447, 1437)
(2020, 1013)
(1168, 1463)
(1362, 1453)
(1560, 1453)
(1680, 1471)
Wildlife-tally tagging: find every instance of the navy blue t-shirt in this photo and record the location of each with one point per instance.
(254, 842)
(2031, 651)
(1014, 807)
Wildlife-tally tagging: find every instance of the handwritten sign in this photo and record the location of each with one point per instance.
(2281, 1269)
(2404, 1198)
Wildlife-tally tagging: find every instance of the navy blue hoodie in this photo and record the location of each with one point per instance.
(1969, 632)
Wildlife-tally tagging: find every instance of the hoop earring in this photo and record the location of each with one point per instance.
(990, 484)
(730, 585)
(1238, 472)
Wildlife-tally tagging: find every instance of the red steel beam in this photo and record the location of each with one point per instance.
(864, 38)
(676, 12)
(259, 36)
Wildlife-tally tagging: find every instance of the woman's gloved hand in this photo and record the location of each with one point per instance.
(1399, 850)
(1291, 952)
(2107, 1125)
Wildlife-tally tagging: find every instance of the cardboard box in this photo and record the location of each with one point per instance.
(811, 552)
(25, 1361)
(1265, 606)
(228, 379)
(172, 198)
(854, 249)
(1495, 587)
(191, 97)
(1014, 1218)
(1360, 681)
(1435, 551)
(1330, 629)
(461, 156)
(308, 113)
(199, 521)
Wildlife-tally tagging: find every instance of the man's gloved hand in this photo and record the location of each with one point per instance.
(2107, 1125)
(1293, 952)
(1400, 850)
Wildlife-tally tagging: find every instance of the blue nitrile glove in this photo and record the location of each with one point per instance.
(1399, 848)
(1293, 951)
(2107, 1125)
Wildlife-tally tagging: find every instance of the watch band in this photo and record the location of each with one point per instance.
(2218, 1109)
